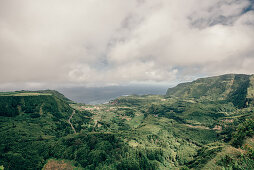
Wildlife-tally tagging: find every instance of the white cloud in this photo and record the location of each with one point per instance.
(97, 42)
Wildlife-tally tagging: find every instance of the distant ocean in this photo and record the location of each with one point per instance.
(100, 95)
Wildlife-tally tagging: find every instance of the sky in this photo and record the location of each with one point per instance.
(93, 43)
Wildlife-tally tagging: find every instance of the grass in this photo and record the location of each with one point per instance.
(133, 143)
(154, 129)
(60, 164)
(23, 94)
(136, 121)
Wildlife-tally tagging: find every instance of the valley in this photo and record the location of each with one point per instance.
(204, 124)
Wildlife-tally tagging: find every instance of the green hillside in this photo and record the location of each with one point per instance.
(28, 121)
(204, 124)
(230, 87)
(37, 93)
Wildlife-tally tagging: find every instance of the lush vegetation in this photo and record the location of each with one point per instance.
(205, 124)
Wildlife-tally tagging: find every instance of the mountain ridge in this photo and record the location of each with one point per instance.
(236, 88)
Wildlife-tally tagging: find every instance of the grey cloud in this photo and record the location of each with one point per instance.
(220, 12)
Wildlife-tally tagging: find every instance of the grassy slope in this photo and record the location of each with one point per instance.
(230, 87)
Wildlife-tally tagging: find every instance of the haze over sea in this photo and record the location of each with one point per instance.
(99, 95)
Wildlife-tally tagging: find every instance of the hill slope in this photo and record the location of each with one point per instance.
(236, 88)
(205, 124)
(15, 103)
(29, 123)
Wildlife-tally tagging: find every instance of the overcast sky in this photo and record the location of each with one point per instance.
(47, 43)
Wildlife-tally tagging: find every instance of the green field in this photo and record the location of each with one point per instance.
(22, 94)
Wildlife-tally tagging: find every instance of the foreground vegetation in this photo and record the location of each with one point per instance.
(205, 124)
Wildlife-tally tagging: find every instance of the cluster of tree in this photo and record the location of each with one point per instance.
(238, 95)
(130, 101)
(35, 105)
(237, 134)
(206, 113)
(8, 106)
(243, 131)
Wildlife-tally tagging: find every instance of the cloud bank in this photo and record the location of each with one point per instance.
(100, 43)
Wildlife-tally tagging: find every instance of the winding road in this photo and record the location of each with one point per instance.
(69, 121)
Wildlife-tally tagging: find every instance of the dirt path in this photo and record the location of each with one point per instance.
(69, 121)
(95, 123)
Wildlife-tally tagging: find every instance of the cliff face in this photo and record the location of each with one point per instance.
(35, 104)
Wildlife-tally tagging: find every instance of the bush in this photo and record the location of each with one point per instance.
(245, 129)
